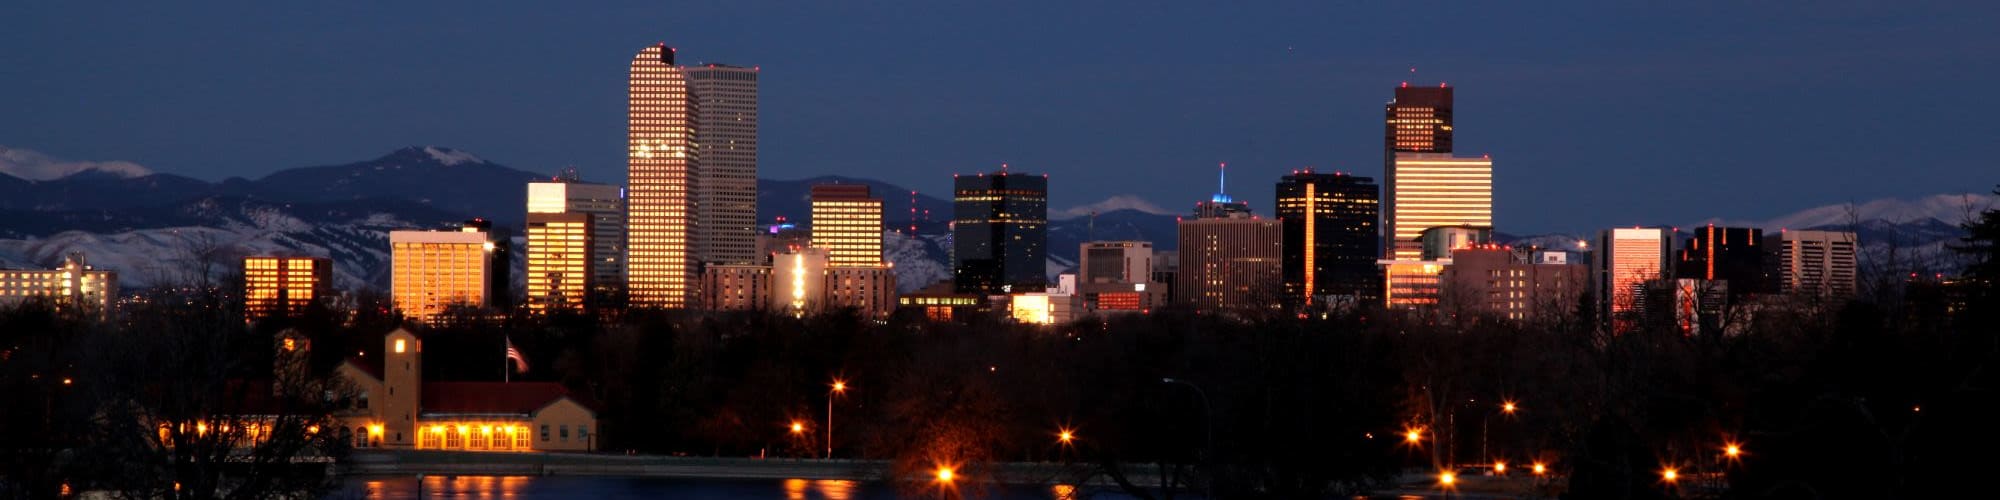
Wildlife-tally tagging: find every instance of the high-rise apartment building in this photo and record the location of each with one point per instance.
(432, 271)
(1427, 190)
(74, 284)
(274, 285)
(1812, 263)
(1626, 260)
(1734, 255)
(847, 222)
(1331, 238)
(662, 164)
(1000, 232)
(1233, 262)
(576, 238)
(725, 138)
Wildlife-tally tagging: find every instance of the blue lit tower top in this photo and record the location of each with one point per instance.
(1221, 206)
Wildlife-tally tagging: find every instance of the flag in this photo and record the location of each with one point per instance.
(520, 362)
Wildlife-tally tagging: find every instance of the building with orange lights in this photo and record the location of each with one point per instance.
(1418, 120)
(847, 222)
(662, 162)
(393, 407)
(74, 284)
(1331, 237)
(1118, 276)
(432, 271)
(1626, 260)
(275, 285)
(725, 137)
(576, 244)
(736, 287)
(1230, 263)
(1000, 232)
(1426, 190)
(1732, 255)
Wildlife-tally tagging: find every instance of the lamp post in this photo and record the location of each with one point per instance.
(1208, 429)
(839, 387)
(1506, 407)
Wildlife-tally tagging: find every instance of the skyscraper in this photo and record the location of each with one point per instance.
(1626, 260)
(283, 285)
(1221, 205)
(1812, 263)
(1730, 254)
(1230, 262)
(1427, 190)
(432, 271)
(847, 222)
(725, 138)
(1418, 121)
(1331, 236)
(662, 162)
(576, 237)
(1000, 233)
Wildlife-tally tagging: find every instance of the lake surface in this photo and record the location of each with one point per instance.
(620, 488)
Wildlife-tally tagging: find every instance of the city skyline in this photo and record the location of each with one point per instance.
(1286, 99)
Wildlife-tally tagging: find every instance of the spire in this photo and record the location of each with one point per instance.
(1221, 184)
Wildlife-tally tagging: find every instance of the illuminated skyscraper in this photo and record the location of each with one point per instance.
(576, 237)
(662, 162)
(1729, 254)
(847, 223)
(1627, 259)
(1230, 262)
(434, 270)
(1419, 121)
(726, 138)
(1331, 238)
(1000, 233)
(283, 285)
(1427, 190)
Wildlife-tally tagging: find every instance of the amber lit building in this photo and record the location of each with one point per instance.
(736, 287)
(1418, 283)
(662, 162)
(432, 271)
(1733, 255)
(74, 284)
(1418, 121)
(870, 290)
(1000, 232)
(847, 222)
(275, 285)
(1812, 263)
(1502, 282)
(1331, 238)
(1626, 260)
(576, 244)
(393, 407)
(725, 137)
(1433, 190)
(1118, 276)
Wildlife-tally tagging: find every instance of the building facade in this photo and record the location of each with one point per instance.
(1118, 276)
(725, 137)
(736, 287)
(1418, 121)
(394, 407)
(1233, 263)
(662, 162)
(74, 284)
(274, 285)
(1733, 255)
(1331, 237)
(1502, 282)
(1426, 190)
(847, 223)
(576, 245)
(1000, 232)
(432, 271)
(1625, 262)
(1813, 263)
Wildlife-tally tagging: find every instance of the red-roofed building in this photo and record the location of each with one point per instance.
(395, 408)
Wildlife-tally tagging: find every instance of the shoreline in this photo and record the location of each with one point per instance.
(448, 463)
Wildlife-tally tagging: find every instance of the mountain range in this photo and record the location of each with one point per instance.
(131, 219)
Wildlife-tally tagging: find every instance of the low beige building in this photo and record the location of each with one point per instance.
(395, 408)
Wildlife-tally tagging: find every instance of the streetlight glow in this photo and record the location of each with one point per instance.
(1508, 407)
(1541, 468)
(1447, 478)
(1731, 450)
(839, 385)
(1065, 436)
(798, 428)
(1670, 474)
(944, 474)
(1413, 435)
(1499, 467)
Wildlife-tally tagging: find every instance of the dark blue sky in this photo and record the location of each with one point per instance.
(1596, 115)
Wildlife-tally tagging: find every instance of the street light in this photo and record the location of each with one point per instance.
(1413, 435)
(945, 474)
(1065, 436)
(1670, 474)
(1732, 450)
(1500, 468)
(839, 387)
(1541, 468)
(1508, 407)
(798, 428)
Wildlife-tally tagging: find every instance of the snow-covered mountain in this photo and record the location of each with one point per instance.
(1112, 204)
(35, 166)
(1951, 209)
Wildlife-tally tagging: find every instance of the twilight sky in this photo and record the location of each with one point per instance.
(1596, 115)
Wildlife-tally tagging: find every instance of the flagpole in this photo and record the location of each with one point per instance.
(506, 372)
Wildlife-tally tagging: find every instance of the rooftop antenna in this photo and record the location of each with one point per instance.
(1090, 231)
(568, 174)
(1222, 178)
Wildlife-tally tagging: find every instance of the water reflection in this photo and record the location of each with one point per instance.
(620, 488)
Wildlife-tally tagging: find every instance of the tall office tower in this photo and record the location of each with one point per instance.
(726, 138)
(1118, 276)
(576, 239)
(1812, 263)
(1230, 263)
(74, 284)
(1729, 254)
(434, 270)
(847, 222)
(1331, 236)
(1000, 232)
(662, 163)
(1626, 260)
(1427, 190)
(1418, 121)
(1221, 205)
(283, 285)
